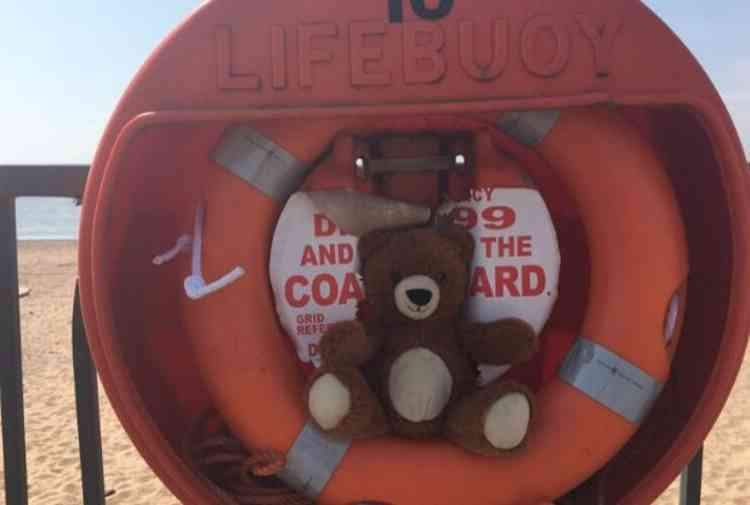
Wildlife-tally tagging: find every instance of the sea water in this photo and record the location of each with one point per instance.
(47, 218)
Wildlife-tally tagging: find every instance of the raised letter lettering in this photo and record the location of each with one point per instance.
(602, 38)
(226, 77)
(362, 55)
(308, 54)
(534, 52)
(423, 61)
(498, 57)
(278, 57)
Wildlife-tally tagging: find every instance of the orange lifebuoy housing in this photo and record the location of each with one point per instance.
(282, 66)
(638, 264)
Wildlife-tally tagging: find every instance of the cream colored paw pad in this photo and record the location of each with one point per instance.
(329, 401)
(507, 421)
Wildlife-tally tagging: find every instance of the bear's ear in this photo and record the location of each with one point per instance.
(461, 237)
(373, 241)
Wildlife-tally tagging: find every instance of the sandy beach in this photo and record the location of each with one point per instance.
(49, 269)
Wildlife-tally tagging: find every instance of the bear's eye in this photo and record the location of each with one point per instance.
(395, 277)
(441, 277)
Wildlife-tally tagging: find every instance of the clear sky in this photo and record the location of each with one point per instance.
(66, 62)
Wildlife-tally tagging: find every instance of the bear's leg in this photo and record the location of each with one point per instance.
(342, 404)
(493, 420)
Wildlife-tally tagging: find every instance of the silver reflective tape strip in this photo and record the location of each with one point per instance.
(312, 460)
(610, 380)
(528, 127)
(260, 162)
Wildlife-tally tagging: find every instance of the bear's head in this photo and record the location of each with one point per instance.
(416, 274)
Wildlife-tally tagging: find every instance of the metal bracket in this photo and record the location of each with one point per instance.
(610, 380)
(453, 155)
(366, 168)
(529, 127)
(311, 461)
(260, 162)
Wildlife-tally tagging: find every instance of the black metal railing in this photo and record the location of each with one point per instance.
(55, 181)
(68, 181)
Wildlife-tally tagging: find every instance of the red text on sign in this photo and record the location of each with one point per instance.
(324, 227)
(506, 247)
(508, 281)
(327, 254)
(323, 289)
(497, 217)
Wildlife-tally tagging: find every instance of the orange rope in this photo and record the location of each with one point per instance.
(239, 477)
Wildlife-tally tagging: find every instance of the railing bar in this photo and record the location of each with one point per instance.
(11, 367)
(43, 180)
(87, 411)
(690, 482)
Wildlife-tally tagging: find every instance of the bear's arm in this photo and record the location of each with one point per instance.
(504, 342)
(348, 343)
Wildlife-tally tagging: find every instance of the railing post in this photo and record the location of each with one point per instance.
(87, 411)
(11, 370)
(21, 180)
(690, 482)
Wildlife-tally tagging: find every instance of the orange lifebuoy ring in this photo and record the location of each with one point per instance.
(638, 263)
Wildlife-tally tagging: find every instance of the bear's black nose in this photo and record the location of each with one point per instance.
(419, 296)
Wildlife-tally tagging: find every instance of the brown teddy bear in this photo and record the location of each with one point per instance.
(409, 366)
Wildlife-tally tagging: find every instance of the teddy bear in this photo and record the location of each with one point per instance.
(408, 364)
